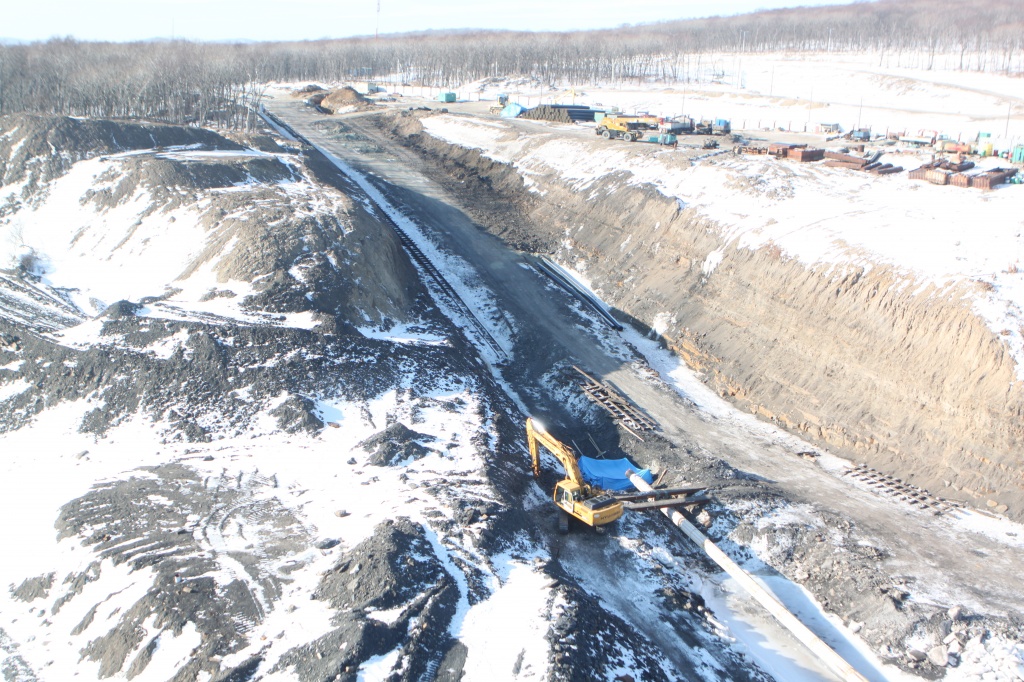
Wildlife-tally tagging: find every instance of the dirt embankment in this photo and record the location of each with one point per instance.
(905, 379)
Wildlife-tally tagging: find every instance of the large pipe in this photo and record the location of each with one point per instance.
(823, 651)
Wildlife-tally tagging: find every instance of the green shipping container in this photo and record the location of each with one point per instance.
(1018, 154)
(446, 97)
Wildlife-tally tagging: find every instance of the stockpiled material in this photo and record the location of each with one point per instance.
(559, 113)
(960, 180)
(937, 177)
(832, 163)
(783, 148)
(342, 98)
(992, 178)
(959, 167)
(846, 158)
(805, 155)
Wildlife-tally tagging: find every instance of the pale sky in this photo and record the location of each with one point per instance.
(124, 20)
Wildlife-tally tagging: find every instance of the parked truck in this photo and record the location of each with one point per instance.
(718, 126)
(629, 128)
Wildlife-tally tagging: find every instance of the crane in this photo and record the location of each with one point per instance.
(573, 496)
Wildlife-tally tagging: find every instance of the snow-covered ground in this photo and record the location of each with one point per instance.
(129, 252)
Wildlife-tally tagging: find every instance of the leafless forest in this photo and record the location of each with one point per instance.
(216, 84)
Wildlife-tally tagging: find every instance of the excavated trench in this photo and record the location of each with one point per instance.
(906, 379)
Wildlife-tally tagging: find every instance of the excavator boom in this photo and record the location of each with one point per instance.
(537, 435)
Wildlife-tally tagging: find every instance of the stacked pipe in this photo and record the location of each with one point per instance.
(560, 113)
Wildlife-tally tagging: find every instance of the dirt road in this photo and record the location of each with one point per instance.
(945, 564)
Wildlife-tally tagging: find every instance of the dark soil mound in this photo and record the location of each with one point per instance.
(47, 146)
(396, 568)
(396, 444)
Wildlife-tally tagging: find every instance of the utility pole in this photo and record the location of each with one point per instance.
(376, 29)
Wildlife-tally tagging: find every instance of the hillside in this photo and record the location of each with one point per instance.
(241, 440)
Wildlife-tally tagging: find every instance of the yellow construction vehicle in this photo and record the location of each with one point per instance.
(573, 496)
(628, 128)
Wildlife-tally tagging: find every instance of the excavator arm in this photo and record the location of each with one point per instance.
(536, 435)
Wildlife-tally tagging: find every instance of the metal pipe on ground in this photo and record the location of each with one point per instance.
(824, 652)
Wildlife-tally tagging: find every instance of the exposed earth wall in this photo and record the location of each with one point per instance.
(904, 378)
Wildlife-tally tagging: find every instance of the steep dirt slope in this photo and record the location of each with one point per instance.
(907, 379)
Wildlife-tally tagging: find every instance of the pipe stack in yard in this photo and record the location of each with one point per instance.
(823, 651)
(560, 113)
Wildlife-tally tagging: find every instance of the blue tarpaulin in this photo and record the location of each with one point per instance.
(512, 110)
(610, 474)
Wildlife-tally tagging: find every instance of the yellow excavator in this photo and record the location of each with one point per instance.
(573, 496)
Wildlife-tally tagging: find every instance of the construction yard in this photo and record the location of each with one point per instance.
(327, 399)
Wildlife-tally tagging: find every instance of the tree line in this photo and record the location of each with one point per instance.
(219, 84)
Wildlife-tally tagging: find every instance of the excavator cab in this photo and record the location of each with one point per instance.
(567, 494)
